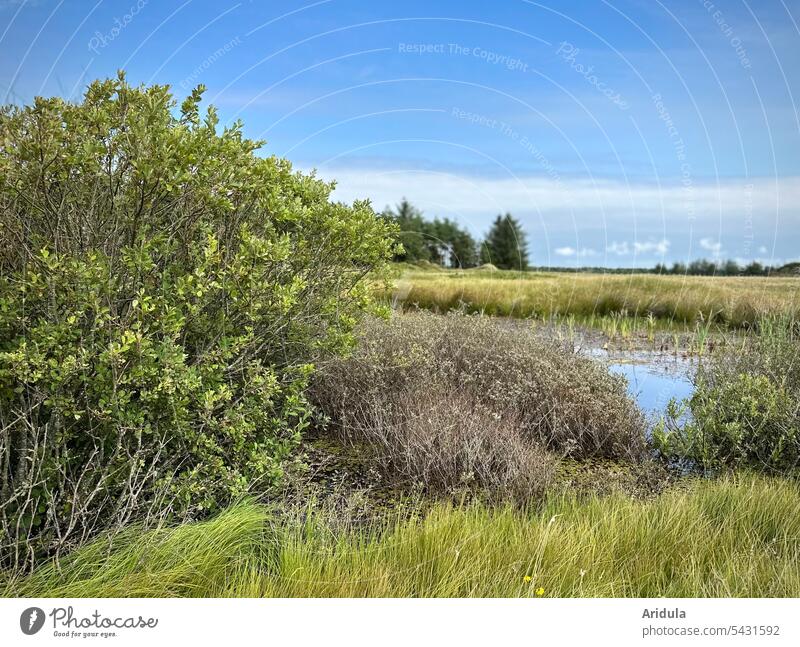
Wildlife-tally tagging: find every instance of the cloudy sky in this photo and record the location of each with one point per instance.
(620, 132)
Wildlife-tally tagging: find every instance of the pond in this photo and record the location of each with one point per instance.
(653, 378)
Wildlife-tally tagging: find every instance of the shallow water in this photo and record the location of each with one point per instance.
(653, 378)
(652, 387)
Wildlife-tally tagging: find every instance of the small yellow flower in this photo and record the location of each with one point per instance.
(539, 591)
(527, 579)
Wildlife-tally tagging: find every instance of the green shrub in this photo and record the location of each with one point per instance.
(745, 410)
(164, 293)
(748, 421)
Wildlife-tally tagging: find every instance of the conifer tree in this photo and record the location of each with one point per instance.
(505, 245)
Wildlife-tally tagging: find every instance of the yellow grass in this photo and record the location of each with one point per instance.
(733, 301)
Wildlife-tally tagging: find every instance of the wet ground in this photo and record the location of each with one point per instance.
(658, 367)
(657, 370)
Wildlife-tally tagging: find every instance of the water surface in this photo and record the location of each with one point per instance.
(653, 378)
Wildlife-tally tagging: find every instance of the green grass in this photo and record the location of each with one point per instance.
(733, 537)
(728, 301)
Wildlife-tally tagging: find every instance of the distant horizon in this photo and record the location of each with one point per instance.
(619, 269)
(643, 247)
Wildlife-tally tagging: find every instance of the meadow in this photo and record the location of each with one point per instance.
(737, 537)
(197, 399)
(730, 302)
(475, 506)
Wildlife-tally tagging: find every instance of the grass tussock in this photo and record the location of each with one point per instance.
(728, 538)
(728, 301)
(189, 560)
(461, 400)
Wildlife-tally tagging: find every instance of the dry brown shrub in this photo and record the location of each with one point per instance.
(466, 400)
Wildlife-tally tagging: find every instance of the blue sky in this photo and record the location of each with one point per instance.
(620, 132)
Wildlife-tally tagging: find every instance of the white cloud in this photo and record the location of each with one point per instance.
(599, 202)
(620, 249)
(711, 245)
(649, 247)
(639, 247)
(583, 252)
(623, 220)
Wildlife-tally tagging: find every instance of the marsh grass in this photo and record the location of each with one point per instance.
(183, 561)
(729, 302)
(728, 538)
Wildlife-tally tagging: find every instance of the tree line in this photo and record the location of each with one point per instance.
(704, 267)
(443, 242)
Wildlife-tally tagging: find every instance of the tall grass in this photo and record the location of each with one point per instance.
(189, 560)
(728, 301)
(726, 538)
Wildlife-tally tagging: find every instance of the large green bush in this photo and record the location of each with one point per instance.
(164, 292)
(745, 410)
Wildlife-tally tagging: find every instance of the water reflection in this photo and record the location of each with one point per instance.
(653, 378)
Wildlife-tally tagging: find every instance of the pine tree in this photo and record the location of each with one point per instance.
(505, 245)
(414, 232)
(455, 247)
(464, 250)
(730, 268)
(442, 241)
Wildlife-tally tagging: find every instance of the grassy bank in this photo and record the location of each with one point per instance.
(738, 537)
(731, 301)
